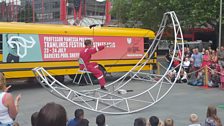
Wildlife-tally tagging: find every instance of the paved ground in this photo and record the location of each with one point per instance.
(178, 104)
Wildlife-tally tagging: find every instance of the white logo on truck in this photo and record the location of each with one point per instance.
(21, 42)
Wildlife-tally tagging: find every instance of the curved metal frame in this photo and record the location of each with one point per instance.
(111, 102)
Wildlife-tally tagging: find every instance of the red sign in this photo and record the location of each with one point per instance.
(58, 47)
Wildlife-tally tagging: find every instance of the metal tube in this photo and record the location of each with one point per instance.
(220, 25)
(33, 7)
(42, 10)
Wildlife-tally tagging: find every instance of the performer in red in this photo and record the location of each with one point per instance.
(85, 54)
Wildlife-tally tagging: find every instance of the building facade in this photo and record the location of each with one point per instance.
(48, 11)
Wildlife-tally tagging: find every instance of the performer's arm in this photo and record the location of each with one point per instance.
(96, 49)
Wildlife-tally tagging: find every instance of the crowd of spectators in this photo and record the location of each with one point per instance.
(211, 120)
(53, 114)
(194, 64)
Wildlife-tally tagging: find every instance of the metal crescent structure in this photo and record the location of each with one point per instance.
(143, 95)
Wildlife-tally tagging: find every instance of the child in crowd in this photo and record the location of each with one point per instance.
(161, 123)
(182, 78)
(168, 122)
(79, 116)
(186, 64)
(214, 78)
(194, 120)
(171, 74)
(153, 121)
(139, 122)
(34, 117)
(100, 120)
(212, 117)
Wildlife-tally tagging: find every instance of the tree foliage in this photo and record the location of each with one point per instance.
(190, 12)
(120, 10)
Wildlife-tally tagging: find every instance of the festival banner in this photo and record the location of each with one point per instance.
(33, 47)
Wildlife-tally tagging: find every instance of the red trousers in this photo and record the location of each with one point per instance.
(94, 69)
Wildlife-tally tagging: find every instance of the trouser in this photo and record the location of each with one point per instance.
(11, 58)
(94, 69)
(196, 69)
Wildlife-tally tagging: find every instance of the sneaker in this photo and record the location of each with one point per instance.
(103, 88)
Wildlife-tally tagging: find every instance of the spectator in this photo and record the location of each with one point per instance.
(197, 60)
(171, 75)
(188, 53)
(212, 118)
(34, 118)
(206, 59)
(222, 78)
(194, 120)
(79, 115)
(186, 64)
(161, 123)
(100, 120)
(52, 114)
(83, 122)
(154, 121)
(216, 51)
(176, 60)
(168, 57)
(140, 122)
(210, 49)
(182, 78)
(199, 81)
(221, 56)
(214, 78)
(8, 106)
(168, 122)
(203, 51)
(214, 58)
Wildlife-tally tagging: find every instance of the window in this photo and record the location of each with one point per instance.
(56, 5)
(56, 15)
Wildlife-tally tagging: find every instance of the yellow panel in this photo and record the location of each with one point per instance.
(127, 68)
(25, 74)
(1, 57)
(64, 64)
(37, 64)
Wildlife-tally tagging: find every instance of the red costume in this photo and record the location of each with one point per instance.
(85, 54)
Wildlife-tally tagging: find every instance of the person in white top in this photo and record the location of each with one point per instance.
(8, 107)
(194, 120)
(186, 64)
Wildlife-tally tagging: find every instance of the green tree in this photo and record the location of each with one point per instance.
(120, 10)
(190, 12)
